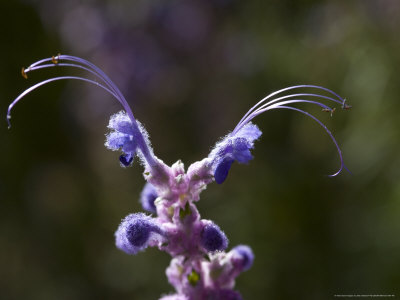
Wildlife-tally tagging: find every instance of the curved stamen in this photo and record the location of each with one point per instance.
(86, 66)
(105, 78)
(301, 95)
(260, 111)
(141, 142)
(323, 126)
(287, 89)
(246, 119)
(98, 72)
(109, 86)
(34, 87)
(53, 65)
(40, 62)
(30, 69)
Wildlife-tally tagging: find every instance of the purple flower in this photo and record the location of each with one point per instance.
(124, 136)
(213, 238)
(234, 147)
(272, 102)
(242, 257)
(147, 198)
(136, 232)
(200, 269)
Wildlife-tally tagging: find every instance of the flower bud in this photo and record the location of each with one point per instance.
(242, 257)
(147, 198)
(213, 238)
(136, 232)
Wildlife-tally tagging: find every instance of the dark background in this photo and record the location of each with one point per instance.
(190, 70)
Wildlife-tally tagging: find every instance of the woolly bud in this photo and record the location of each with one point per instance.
(136, 232)
(242, 257)
(147, 198)
(213, 238)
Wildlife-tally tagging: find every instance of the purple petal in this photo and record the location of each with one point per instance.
(147, 198)
(213, 238)
(222, 170)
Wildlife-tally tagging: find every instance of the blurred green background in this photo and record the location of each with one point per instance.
(190, 70)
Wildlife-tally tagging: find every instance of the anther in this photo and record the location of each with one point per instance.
(23, 73)
(329, 110)
(55, 59)
(346, 106)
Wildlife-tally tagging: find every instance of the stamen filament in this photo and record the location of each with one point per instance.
(287, 100)
(326, 129)
(39, 62)
(34, 87)
(262, 110)
(86, 66)
(105, 78)
(99, 73)
(341, 100)
(30, 69)
(38, 67)
(246, 119)
(110, 87)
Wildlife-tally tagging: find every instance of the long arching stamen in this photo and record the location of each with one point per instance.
(292, 101)
(252, 111)
(55, 61)
(109, 87)
(323, 126)
(142, 143)
(104, 76)
(39, 62)
(53, 65)
(34, 87)
(31, 69)
(97, 71)
(291, 88)
(301, 95)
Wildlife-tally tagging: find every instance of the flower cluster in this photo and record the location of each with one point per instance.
(200, 267)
